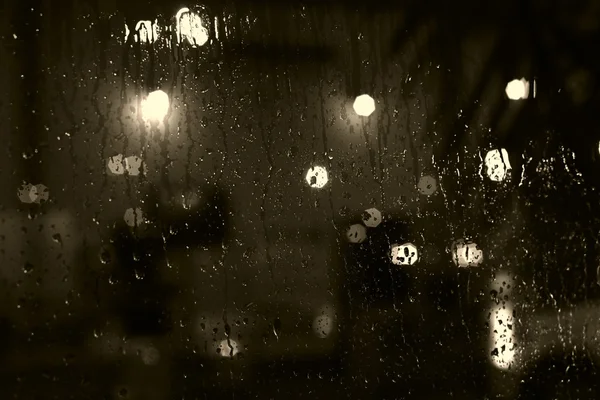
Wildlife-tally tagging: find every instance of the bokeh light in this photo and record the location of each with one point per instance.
(497, 165)
(133, 217)
(372, 217)
(317, 177)
(427, 185)
(356, 233)
(364, 105)
(133, 165)
(190, 28)
(502, 328)
(156, 106)
(466, 253)
(145, 31)
(404, 254)
(29, 193)
(517, 89)
(228, 348)
(323, 324)
(115, 165)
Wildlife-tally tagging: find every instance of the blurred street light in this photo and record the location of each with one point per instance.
(517, 89)
(364, 105)
(466, 254)
(405, 254)
(317, 177)
(156, 106)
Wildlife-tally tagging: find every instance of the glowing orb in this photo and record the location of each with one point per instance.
(364, 105)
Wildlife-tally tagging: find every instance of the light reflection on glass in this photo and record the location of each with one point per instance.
(372, 217)
(317, 177)
(404, 254)
(502, 329)
(497, 164)
(466, 254)
(133, 165)
(228, 348)
(145, 31)
(190, 28)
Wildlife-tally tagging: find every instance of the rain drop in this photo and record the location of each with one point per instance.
(28, 268)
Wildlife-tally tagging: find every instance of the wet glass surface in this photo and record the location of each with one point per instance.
(260, 199)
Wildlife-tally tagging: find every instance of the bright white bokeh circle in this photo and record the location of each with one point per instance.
(317, 177)
(497, 165)
(404, 254)
(156, 106)
(517, 89)
(364, 105)
(466, 254)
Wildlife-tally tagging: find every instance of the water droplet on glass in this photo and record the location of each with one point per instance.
(28, 268)
(105, 257)
(57, 238)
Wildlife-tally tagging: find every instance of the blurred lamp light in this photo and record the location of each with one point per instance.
(517, 89)
(155, 106)
(190, 28)
(466, 254)
(357, 233)
(364, 105)
(497, 164)
(404, 254)
(372, 217)
(317, 177)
